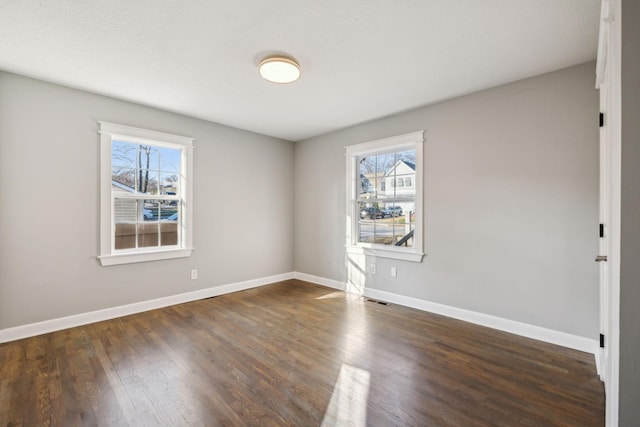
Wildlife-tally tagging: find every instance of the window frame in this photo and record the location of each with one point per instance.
(413, 140)
(108, 254)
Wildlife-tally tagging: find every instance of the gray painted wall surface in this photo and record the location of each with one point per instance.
(49, 159)
(630, 216)
(511, 202)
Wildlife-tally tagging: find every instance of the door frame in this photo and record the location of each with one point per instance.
(608, 81)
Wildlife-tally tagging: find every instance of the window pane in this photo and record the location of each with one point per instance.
(402, 174)
(147, 181)
(146, 157)
(150, 157)
(126, 222)
(147, 235)
(393, 210)
(367, 184)
(387, 223)
(169, 160)
(169, 228)
(383, 231)
(167, 209)
(169, 184)
(151, 211)
(123, 154)
(148, 228)
(404, 224)
(159, 225)
(124, 176)
(408, 158)
(365, 223)
(404, 190)
(145, 223)
(384, 163)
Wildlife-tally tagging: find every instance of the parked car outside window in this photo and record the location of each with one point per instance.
(372, 213)
(389, 212)
(396, 209)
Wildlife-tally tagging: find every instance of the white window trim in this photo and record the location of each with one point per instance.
(108, 256)
(414, 140)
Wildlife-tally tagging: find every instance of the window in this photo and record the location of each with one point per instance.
(386, 222)
(145, 206)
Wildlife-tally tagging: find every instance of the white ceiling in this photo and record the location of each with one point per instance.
(361, 59)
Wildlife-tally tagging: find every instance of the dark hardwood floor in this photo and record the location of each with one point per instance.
(296, 354)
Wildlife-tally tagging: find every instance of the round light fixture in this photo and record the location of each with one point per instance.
(279, 69)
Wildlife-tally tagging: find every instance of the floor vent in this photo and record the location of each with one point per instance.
(375, 301)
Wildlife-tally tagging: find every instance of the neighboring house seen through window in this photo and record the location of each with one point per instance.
(385, 216)
(145, 206)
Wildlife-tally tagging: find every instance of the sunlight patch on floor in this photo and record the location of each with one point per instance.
(348, 404)
(341, 295)
(337, 294)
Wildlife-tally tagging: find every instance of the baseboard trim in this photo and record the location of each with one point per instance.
(335, 284)
(530, 331)
(518, 328)
(598, 355)
(39, 328)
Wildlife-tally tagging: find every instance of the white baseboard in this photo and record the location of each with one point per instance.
(518, 328)
(335, 284)
(33, 329)
(511, 326)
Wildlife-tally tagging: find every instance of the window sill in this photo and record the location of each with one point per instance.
(396, 253)
(130, 258)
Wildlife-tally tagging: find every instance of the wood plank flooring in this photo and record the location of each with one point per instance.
(293, 354)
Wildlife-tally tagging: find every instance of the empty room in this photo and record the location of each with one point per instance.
(303, 213)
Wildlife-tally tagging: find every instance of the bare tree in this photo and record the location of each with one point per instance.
(146, 169)
(143, 184)
(130, 160)
(381, 164)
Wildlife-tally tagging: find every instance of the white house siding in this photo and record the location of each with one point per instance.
(124, 210)
(392, 189)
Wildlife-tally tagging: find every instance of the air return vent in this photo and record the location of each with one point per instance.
(375, 301)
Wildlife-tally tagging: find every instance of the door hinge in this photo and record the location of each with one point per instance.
(601, 230)
(601, 341)
(601, 119)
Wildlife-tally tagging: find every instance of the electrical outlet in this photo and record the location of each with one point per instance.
(394, 272)
(372, 268)
(194, 274)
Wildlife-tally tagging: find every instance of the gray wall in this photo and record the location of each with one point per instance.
(630, 231)
(511, 202)
(243, 198)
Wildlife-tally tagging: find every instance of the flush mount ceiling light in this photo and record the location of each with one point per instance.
(279, 69)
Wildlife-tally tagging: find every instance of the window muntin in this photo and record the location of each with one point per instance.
(144, 223)
(385, 200)
(145, 203)
(143, 170)
(380, 220)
